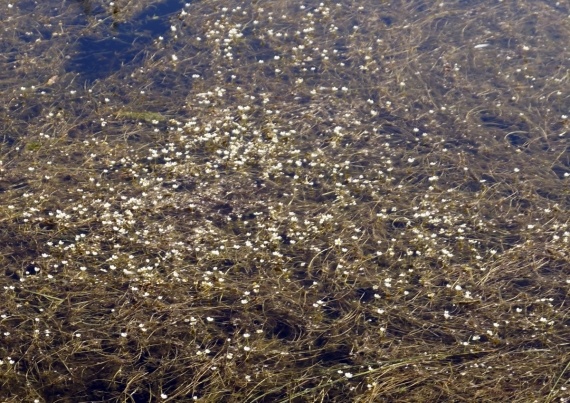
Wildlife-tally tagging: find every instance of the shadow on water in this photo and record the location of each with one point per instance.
(119, 43)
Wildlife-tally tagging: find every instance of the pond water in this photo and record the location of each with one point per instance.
(117, 42)
(266, 200)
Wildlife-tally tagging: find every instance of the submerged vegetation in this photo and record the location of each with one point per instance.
(283, 201)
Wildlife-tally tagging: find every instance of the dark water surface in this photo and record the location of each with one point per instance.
(118, 42)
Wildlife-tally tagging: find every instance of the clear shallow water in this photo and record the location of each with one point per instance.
(282, 201)
(115, 42)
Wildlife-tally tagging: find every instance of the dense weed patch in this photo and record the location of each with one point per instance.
(281, 201)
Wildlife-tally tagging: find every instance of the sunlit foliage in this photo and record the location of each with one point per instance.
(350, 201)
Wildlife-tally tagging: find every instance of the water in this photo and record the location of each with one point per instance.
(114, 43)
(284, 201)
